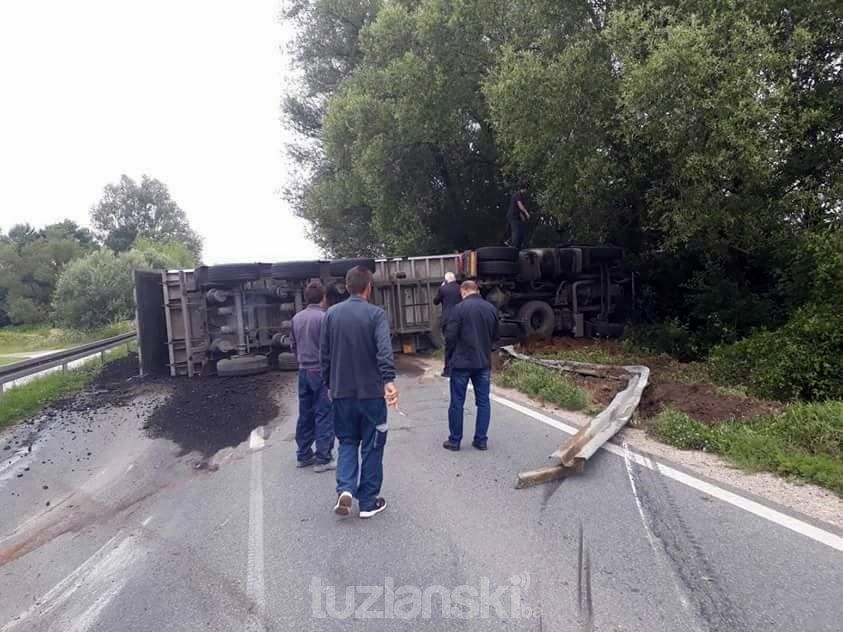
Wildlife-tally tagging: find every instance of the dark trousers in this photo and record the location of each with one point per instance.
(449, 352)
(361, 447)
(518, 232)
(315, 423)
(481, 380)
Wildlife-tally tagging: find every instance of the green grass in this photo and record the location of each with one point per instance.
(805, 441)
(590, 355)
(4, 360)
(544, 384)
(45, 338)
(22, 402)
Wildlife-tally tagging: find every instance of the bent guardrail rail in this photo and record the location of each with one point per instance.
(570, 458)
(25, 368)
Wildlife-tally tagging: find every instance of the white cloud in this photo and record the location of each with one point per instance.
(187, 91)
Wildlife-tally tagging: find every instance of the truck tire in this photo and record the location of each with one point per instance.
(538, 318)
(296, 270)
(232, 273)
(287, 362)
(242, 365)
(339, 267)
(497, 253)
(497, 268)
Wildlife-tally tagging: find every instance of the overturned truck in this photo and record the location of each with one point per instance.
(235, 319)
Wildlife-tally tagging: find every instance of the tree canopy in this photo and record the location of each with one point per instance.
(129, 211)
(703, 136)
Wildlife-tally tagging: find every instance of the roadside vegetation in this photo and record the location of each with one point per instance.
(26, 338)
(543, 385)
(26, 400)
(805, 441)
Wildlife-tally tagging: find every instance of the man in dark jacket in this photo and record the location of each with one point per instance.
(359, 371)
(448, 295)
(315, 425)
(517, 214)
(472, 329)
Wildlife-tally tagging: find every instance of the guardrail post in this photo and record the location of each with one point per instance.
(102, 357)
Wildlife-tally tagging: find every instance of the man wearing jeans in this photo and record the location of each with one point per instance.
(358, 367)
(472, 329)
(315, 423)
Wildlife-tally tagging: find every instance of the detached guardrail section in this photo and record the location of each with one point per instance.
(10, 373)
(570, 458)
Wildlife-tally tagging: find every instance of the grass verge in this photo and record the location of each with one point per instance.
(21, 402)
(543, 384)
(45, 338)
(805, 441)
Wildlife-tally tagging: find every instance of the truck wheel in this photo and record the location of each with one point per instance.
(497, 253)
(295, 270)
(242, 365)
(232, 273)
(538, 318)
(497, 268)
(339, 267)
(287, 362)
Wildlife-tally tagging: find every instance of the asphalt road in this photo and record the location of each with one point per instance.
(140, 535)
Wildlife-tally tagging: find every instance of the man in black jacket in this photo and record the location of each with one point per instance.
(472, 329)
(448, 295)
(357, 366)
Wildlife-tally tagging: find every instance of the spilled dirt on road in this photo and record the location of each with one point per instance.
(207, 414)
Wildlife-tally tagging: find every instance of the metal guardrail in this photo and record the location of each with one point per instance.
(570, 458)
(25, 368)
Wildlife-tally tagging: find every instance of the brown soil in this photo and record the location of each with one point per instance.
(702, 401)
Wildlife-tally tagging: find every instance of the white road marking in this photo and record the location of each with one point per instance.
(81, 597)
(256, 440)
(255, 587)
(146, 521)
(783, 520)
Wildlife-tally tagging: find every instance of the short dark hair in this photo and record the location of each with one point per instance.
(523, 186)
(358, 279)
(469, 286)
(314, 293)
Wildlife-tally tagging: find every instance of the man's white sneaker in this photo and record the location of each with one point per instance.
(343, 506)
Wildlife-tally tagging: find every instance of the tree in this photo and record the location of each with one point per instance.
(98, 289)
(129, 211)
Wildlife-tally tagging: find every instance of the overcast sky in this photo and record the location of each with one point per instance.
(187, 91)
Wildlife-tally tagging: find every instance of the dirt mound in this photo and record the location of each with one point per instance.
(110, 387)
(208, 414)
(703, 402)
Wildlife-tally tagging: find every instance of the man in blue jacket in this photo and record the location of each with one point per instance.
(472, 330)
(315, 424)
(359, 371)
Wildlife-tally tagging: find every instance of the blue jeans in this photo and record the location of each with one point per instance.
(480, 379)
(315, 423)
(355, 422)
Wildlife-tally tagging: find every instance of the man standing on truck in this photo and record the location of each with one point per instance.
(517, 214)
(448, 295)
(472, 329)
(359, 371)
(315, 424)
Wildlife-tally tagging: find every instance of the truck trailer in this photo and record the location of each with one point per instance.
(235, 319)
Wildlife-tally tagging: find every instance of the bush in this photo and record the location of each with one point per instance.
(672, 337)
(802, 360)
(544, 384)
(24, 310)
(97, 289)
(805, 440)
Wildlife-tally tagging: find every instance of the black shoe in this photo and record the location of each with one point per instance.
(450, 445)
(306, 462)
(380, 505)
(479, 446)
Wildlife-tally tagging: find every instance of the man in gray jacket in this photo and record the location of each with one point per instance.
(359, 371)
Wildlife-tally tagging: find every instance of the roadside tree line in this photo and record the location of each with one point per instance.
(702, 136)
(67, 274)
